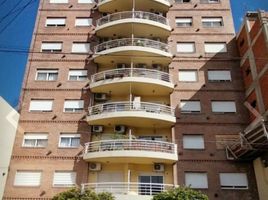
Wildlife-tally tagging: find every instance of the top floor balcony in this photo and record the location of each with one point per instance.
(110, 6)
(139, 23)
(138, 47)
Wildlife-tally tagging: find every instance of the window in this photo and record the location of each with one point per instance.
(27, 178)
(233, 181)
(223, 107)
(219, 75)
(56, 21)
(188, 75)
(190, 106)
(73, 105)
(51, 47)
(77, 75)
(85, 1)
(184, 22)
(83, 21)
(46, 75)
(35, 140)
(211, 47)
(196, 180)
(150, 185)
(149, 137)
(64, 179)
(79, 47)
(41, 105)
(212, 21)
(209, 1)
(182, 1)
(193, 142)
(186, 47)
(58, 1)
(69, 140)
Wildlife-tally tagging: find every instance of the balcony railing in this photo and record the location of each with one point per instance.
(132, 72)
(131, 106)
(132, 15)
(168, 1)
(139, 42)
(123, 188)
(130, 145)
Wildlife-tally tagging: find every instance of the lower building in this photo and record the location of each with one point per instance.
(8, 122)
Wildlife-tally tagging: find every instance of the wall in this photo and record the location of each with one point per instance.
(8, 123)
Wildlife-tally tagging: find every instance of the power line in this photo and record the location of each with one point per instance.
(10, 12)
(4, 1)
(17, 15)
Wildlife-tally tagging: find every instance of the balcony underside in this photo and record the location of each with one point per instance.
(138, 27)
(138, 85)
(110, 6)
(132, 156)
(133, 119)
(132, 51)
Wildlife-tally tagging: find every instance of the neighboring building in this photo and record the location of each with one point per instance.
(253, 47)
(8, 122)
(164, 89)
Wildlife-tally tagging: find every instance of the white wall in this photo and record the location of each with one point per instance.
(8, 127)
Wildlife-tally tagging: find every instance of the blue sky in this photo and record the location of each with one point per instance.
(16, 27)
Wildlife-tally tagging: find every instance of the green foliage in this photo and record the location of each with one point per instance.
(76, 194)
(181, 193)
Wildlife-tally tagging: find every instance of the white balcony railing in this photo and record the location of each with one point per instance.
(169, 1)
(131, 145)
(123, 106)
(122, 188)
(132, 72)
(132, 15)
(138, 42)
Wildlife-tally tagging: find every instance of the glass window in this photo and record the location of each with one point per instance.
(69, 140)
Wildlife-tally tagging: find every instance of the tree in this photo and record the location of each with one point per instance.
(181, 193)
(77, 194)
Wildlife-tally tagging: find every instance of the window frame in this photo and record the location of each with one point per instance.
(185, 24)
(42, 111)
(71, 137)
(74, 110)
(212, 23)
(48, 72)
(223, 101)
(216, 52)
(188, 70)
(219, 80)
(186, 52)
(193, 148)
(234, 187)
(51, 50)
(36, 140)
(196, 173)
(190, 112)
(56, 25)
(78, 77)
(64, 185)
(28, 171)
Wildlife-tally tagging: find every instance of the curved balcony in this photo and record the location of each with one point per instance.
(117, 81)
(129, 190)
(138, 47)
(110, 6)
(139, 23)
(134, 151)
(142, 114)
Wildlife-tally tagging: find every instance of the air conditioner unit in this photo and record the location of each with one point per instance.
(159, 167)
(121, 66)
(97, 129)
(94, 167)
(120, 129)
(100, 96)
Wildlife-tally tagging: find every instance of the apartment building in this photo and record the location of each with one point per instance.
(252, 41)
(8, 122)
(132, 97)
